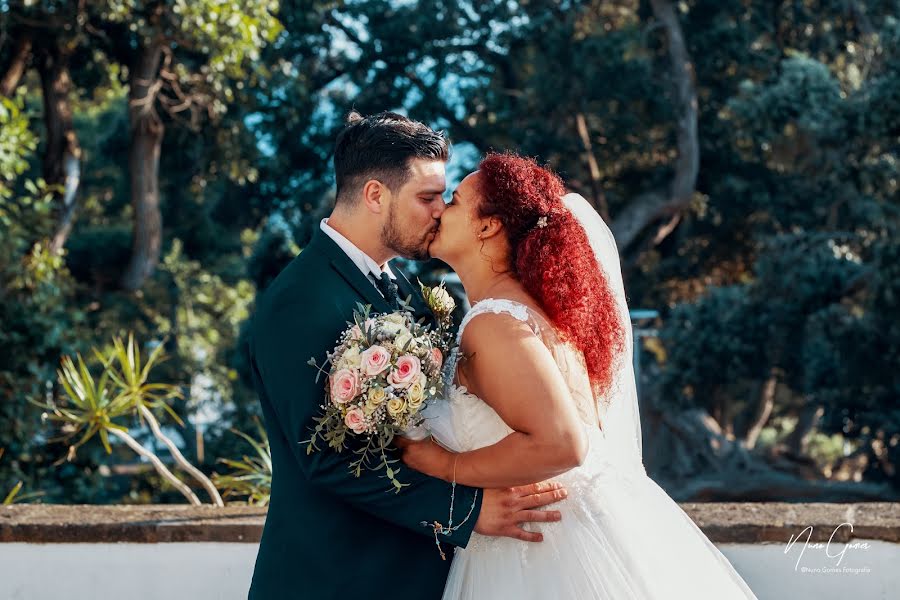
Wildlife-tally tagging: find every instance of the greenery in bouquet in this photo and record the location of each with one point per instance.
(442, 306)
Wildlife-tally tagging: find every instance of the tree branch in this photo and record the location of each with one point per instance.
(62, 152)
(17, 66)
(598, 199)
(180, 459)
(158, 465)
(651, 206)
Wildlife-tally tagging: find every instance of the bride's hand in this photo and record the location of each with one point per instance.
(426, 457)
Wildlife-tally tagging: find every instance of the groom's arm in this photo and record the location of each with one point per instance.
(285, 337)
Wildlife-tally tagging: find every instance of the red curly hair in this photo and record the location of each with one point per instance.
(555, 263)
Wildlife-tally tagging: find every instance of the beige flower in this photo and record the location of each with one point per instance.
(415, 394)
(396, 407)
(376, 395)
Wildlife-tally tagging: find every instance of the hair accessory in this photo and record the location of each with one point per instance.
(542, 222)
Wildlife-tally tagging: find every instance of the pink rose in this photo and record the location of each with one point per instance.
(407, 370)
(356, 333)
(355, 420)
(375, 360)
(437, 357)
(344, 386)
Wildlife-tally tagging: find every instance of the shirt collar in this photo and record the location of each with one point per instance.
(362, 260)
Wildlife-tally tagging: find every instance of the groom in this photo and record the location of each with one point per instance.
(329, 534)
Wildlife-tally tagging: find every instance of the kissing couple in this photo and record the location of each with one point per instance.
(534, 459)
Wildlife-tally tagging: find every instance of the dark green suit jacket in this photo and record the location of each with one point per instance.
(329, 534)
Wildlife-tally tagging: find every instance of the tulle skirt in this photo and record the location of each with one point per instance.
(621, 537)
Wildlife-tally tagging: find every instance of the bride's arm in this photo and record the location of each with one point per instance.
(516, 375)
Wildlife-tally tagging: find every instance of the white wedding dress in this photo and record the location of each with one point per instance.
(621, 536)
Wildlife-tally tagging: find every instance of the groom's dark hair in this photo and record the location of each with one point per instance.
(380, 147)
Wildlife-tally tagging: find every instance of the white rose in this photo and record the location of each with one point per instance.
(443, 301)
(351, 358)
(396, 318)
(401, 340)
(393, 329)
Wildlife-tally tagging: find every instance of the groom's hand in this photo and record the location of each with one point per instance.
(504, 511)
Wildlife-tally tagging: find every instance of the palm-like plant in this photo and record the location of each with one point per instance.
(14, 494)
(252, 475)
(131, 378)
(11, 496)
(91, 409)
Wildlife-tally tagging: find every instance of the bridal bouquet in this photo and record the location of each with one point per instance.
(382, 372)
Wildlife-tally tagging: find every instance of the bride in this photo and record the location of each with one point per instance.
(542, 387)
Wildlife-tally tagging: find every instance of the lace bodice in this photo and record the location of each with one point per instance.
(491, 305)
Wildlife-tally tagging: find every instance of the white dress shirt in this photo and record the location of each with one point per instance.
(363, 261)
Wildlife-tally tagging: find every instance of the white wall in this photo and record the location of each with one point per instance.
(863, 574)
(195, 571)
(207, 571)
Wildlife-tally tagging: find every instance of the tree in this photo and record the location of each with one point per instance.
(47, 36)
(181, 56)
(743, 152)
(725, 140)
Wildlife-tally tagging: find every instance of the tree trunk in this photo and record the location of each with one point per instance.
(143, 162)
(693, 461)
(647, 208)
(762, 410)
(62, 153)
(806, 422)
(17, 66)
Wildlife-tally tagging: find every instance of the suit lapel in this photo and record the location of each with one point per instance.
(345, 267)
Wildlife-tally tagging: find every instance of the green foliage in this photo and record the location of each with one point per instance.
(15, 494)
(804, 203)
(91, 405)
(785, 261)
(132, 377)
(17, 142)
(250, 477)
(94, 405)
(38, 319)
